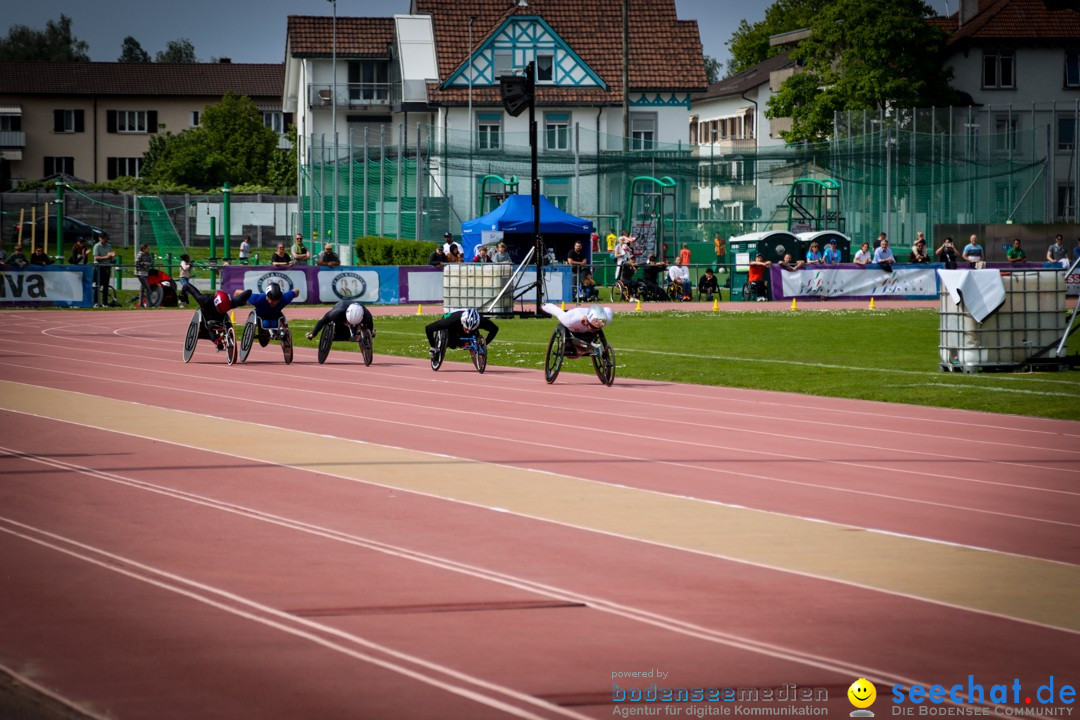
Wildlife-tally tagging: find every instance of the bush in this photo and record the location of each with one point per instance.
(387, 251)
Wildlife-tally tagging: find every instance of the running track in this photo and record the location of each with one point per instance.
(263, 541)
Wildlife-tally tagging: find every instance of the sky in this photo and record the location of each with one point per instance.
(253, 31)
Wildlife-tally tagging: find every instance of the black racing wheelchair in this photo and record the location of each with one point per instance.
(253, 329)
(474, 343)
(334, 332)
(221, 334)
(565, 344)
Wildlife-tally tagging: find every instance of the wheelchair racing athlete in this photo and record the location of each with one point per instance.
(214, 308)
(459, 325)
(268, 307)
(582, 322)
(345, 312)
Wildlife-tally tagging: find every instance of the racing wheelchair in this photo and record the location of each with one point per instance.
(474, 343)
(253, 328)
(565, 344)
(333, 331)
(221, 334)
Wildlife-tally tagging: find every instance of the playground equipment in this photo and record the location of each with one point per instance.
(491, 199)
(651, 210)
(814, 205)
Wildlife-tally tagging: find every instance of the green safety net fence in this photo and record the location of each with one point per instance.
(156, 228)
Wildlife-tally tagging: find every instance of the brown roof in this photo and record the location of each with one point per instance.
(312, 36)
(103, 78)
(665, 52)
(1020, 20)
(748, 79)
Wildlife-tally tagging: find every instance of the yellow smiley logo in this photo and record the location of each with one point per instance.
(862, 693)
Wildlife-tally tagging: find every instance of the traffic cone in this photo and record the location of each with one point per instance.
(232, 317)
(638, 308)
(794, 306)
(563, 304)
(419, 309)
(871, 303)
(716, 304)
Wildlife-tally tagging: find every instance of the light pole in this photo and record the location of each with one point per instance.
(333, 114)
(471, 129)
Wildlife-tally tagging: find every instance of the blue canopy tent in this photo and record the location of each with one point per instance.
(515, 219)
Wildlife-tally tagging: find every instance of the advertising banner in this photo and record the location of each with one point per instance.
(259, 280)
(917, 282)
(63, 286)
(367, 285)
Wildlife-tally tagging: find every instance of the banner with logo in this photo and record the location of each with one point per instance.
(62, 286)
(913, 282)
(368, 285)
(258, 280)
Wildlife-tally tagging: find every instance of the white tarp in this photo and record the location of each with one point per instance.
(981, 291)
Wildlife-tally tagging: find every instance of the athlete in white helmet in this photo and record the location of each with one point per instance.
(345, 312)
(458, 325)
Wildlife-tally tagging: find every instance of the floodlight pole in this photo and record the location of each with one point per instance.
(530, 75)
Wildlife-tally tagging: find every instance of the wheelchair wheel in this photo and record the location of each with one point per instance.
(604, 363)
(554, 360)
(155, 296)
(747, 291)
(440, 350)
(326, 339)
(192, 336)
(619, 292)
(286, 342)
(363, 339)
(230, 343)
(478, 350)
(248, 337)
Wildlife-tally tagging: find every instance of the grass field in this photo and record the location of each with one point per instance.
(889, 355)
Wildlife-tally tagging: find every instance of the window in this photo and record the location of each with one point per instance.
(123, 167)
(1066, 201)
(369, 80)
(545, 67)
(998, 69)
(642, 131)
(275, 121)
(1066, 132)
(67, 121)
(557, 131)
(59, 166)
(196, 116)
(557, 190)
(131, 121)
(1005, 128)
(1072, 69)
(504, 63)
(10, 123)
(488, 130)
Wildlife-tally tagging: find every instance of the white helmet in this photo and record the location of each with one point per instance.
(470, 320)
(598, 316)
(354, 314)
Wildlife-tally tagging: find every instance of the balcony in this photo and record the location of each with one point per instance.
(12, 139)
(349, 95)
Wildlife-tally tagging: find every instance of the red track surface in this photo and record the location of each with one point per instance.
(147, 579)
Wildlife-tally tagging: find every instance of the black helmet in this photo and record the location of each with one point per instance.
(274, 293)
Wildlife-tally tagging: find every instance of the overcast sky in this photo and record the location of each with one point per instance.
(253, 31)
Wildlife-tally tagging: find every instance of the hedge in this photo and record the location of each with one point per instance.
(388, 251)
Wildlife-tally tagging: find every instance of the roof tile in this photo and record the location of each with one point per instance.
(102, 78)
(312, 36)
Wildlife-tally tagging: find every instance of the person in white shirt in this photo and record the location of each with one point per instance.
(245, 249)
(679, 273)
(863, 257)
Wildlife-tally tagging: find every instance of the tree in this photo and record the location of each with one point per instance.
(712, 69)
(177, 51)
(132, 51)
(863, 55)
(749, 44)
(230, 144)
(55, 43)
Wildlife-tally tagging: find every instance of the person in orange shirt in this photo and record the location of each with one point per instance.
(721, 249)
(684, 256)
(756, 277)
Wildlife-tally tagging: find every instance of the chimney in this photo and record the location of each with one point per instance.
(968, 10)
(225, 60)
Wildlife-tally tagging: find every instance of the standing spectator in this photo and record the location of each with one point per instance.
(79, 253)
(831, 256)
(813, 255)
(759, 288)
(438, 257)
(721, 249)
(501, 256)
(300, 254)
(626, 277)
(1076, 250)
(947, 254)
(707, 285)
(281, 257)
(611, 239)
(684, 257)
(328, 258)
(40, 257)
(973, 251)
(594, 241)
(482, 254)
(576, 259)
(883, 256)
(919, 254)
(1015, 254)
(245, 249)
(622, 249)
(143, 262)
(1056, 254)
(791, 265)
(453, 253)
(863, 257)
(185, 278)
(103, 262)
(680, 275)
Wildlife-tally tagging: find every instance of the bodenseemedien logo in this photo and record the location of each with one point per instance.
(862, 695)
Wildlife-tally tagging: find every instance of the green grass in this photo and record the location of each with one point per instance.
(889, 355)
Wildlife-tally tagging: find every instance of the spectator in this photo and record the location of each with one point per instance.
(1015, 254)
(438, 257)
(947, 254)
(650, 277)
(813, 255)
(3, 253)
(328, 258)
(594, 241)
(17, 259)
(576, 259)
(500, 255)
(684, 257)
(588, 288)
(611, 240)
(281, 258)
(104, 257)
(143, 262)
(482, 254)
(919, 254)
(185, 278)
(453, 253)
(790, 264)
(300, 254)
(756, 278)
(1056, 254)
(973, 251)
(40, 257)
(721, 249)
(831, 256)
(883, 256)
(679, 274)
(863, 257)
(623, 249)
(707, 285)
(626, 276)
(245, 249)
(79, 253)
(1076, 250)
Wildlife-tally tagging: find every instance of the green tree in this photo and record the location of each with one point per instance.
(863, 55)
(749, 44)
(281, 175)
(55, 43)
(231, 144)
(177, 51)
(132, 51)
(712, 69)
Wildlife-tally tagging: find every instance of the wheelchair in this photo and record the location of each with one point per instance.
(675, 292)
(757, 290)
(565, 344)
(332, 332)
(652, 292)
(253, 328)
(474, 343)
(217, 332)
(584, 294)
(621, 291)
